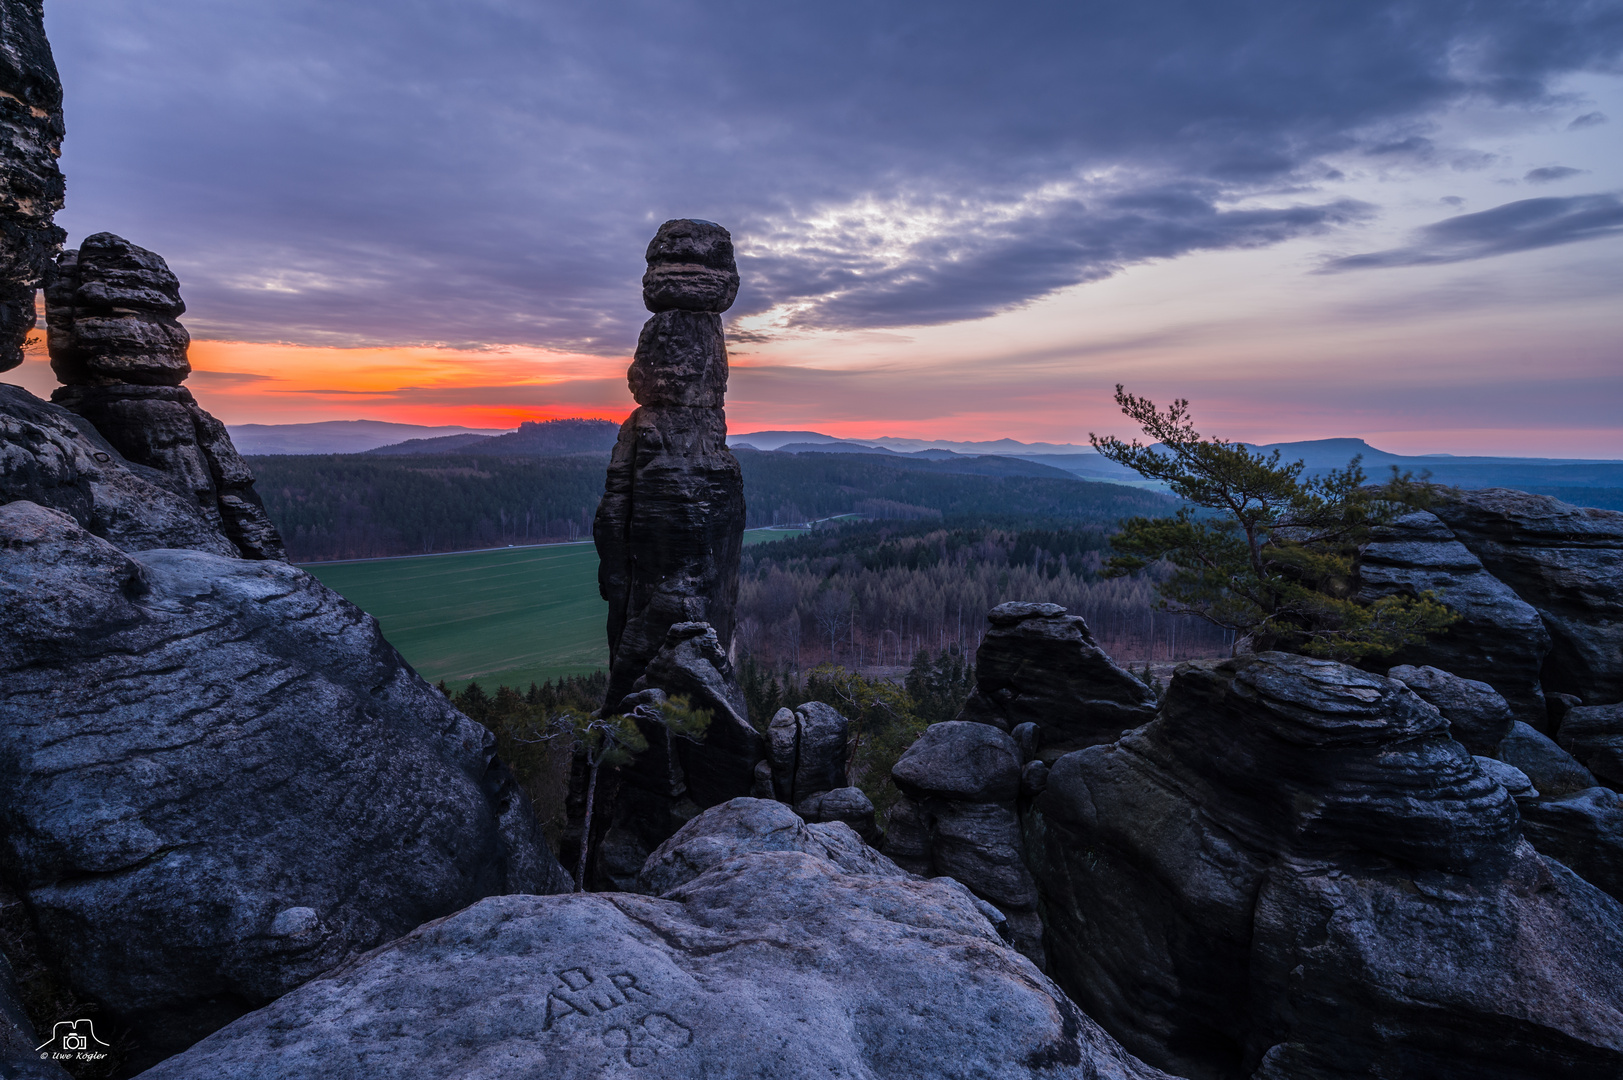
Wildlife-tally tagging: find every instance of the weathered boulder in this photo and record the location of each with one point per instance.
(807, 747)
(1567, 562)
(1508, 777)
(960, 760)
(1477, 715)
(1039, 665)
(1552, 770)
(691, 267)
(721, 764)
(221, 781)
(31, 186)
(54, 458)
(740, 826)
(1583, 830)
(957, 818)
(846, 805)
(771, 963)
(1499, 638)
(1594, 735)
(1295, 872)
(117, 346)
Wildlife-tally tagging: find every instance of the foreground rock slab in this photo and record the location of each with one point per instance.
(221, 781)
(770, 965)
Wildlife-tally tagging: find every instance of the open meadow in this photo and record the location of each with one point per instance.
(512, 616)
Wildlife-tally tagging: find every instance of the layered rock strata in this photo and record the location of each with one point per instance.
(671, 523)
(1565, 561)
(1295, 872)
(1478, 716)
(1039, 665)
(222, 781)
(770, 961)
(120, 351)
(31, 186)
(1499, 638)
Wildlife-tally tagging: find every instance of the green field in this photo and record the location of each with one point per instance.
(515, 616)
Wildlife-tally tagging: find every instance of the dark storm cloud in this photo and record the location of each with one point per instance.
(422, 170)
(1518, 226)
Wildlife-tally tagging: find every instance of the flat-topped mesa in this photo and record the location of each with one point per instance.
(119, 349)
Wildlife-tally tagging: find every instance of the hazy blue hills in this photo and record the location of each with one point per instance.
(545, 438)
(336, 436)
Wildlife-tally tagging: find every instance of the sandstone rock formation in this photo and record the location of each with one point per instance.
(1594, 735)
(846, 805)
(740, 826)
(671, 523)
(1295, 872)
(1040, 665)
(1499, 639)
(19, 1058)
(1478, 717)
(807, 747)
(770, 963)
(1567, 562)
(958, 818)
(57, 459)
(221, 780)
(31, 186)
(116, 345)
(1552, 770)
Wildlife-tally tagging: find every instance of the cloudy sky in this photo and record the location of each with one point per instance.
(1401, 221)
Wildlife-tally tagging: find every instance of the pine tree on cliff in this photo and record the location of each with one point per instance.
(1263, 552)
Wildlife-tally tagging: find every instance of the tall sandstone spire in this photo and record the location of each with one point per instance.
(31, 186)
(671, 524)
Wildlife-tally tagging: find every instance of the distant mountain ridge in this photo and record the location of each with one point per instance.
(336, 436)
(532, 439)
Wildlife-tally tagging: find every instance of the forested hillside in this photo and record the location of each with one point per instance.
(354, 506)
(878, 593)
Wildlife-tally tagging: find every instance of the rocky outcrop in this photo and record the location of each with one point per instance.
(846, 805)
(53, 458)
(31, 186)
(1499, 638)
(1478, 717)
(121, 353)
(1295, 872)
(740, 826)
(806, 746)
(1594, 735)
(1567, 562)
(772, 962)
(958, 818)
(1583, 830)
(670, 527)
(1551, 769)
(222, 781)
(1040, 665)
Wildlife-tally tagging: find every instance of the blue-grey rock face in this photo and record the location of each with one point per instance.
(1295, 872)
(31, 186)
(764, 958)
(1499, 638)
(217, 780)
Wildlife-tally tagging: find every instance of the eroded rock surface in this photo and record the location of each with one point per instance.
(1499, 638)
(807, 747)
(1040, 665)
(31, 186)
(1567, 562)
(1295, 872)
(1594, 735)
(958, 818)
(121, 353)
(670, 527)
(1478, 717)
(769, 963)
(222, 781)
(53, 458)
